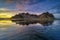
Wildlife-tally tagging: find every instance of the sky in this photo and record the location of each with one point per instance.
(35, 6)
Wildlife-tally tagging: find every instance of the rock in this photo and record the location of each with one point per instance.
(46, 16)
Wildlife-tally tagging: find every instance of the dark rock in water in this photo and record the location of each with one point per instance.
(46, 16)
(26, 18)
(31, 17)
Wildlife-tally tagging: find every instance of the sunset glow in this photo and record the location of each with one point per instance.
(5, 15)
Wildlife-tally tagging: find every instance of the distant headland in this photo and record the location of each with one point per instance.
(26, 16)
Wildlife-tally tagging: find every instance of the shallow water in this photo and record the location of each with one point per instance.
(36, 31)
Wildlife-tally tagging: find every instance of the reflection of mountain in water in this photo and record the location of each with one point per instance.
(44, 23)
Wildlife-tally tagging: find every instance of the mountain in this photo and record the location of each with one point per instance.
(26, 16)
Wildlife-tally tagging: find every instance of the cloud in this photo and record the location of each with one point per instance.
(9, 0)
(20, 7)
(56, 8)
(30, 5)
(4, 9)
(29, 2)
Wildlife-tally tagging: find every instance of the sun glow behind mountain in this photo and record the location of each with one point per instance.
(5, 15)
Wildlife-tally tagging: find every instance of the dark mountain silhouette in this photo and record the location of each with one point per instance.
(26, 18)
(32, 17)
(46, 16)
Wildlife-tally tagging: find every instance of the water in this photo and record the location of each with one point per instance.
(17, 30)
